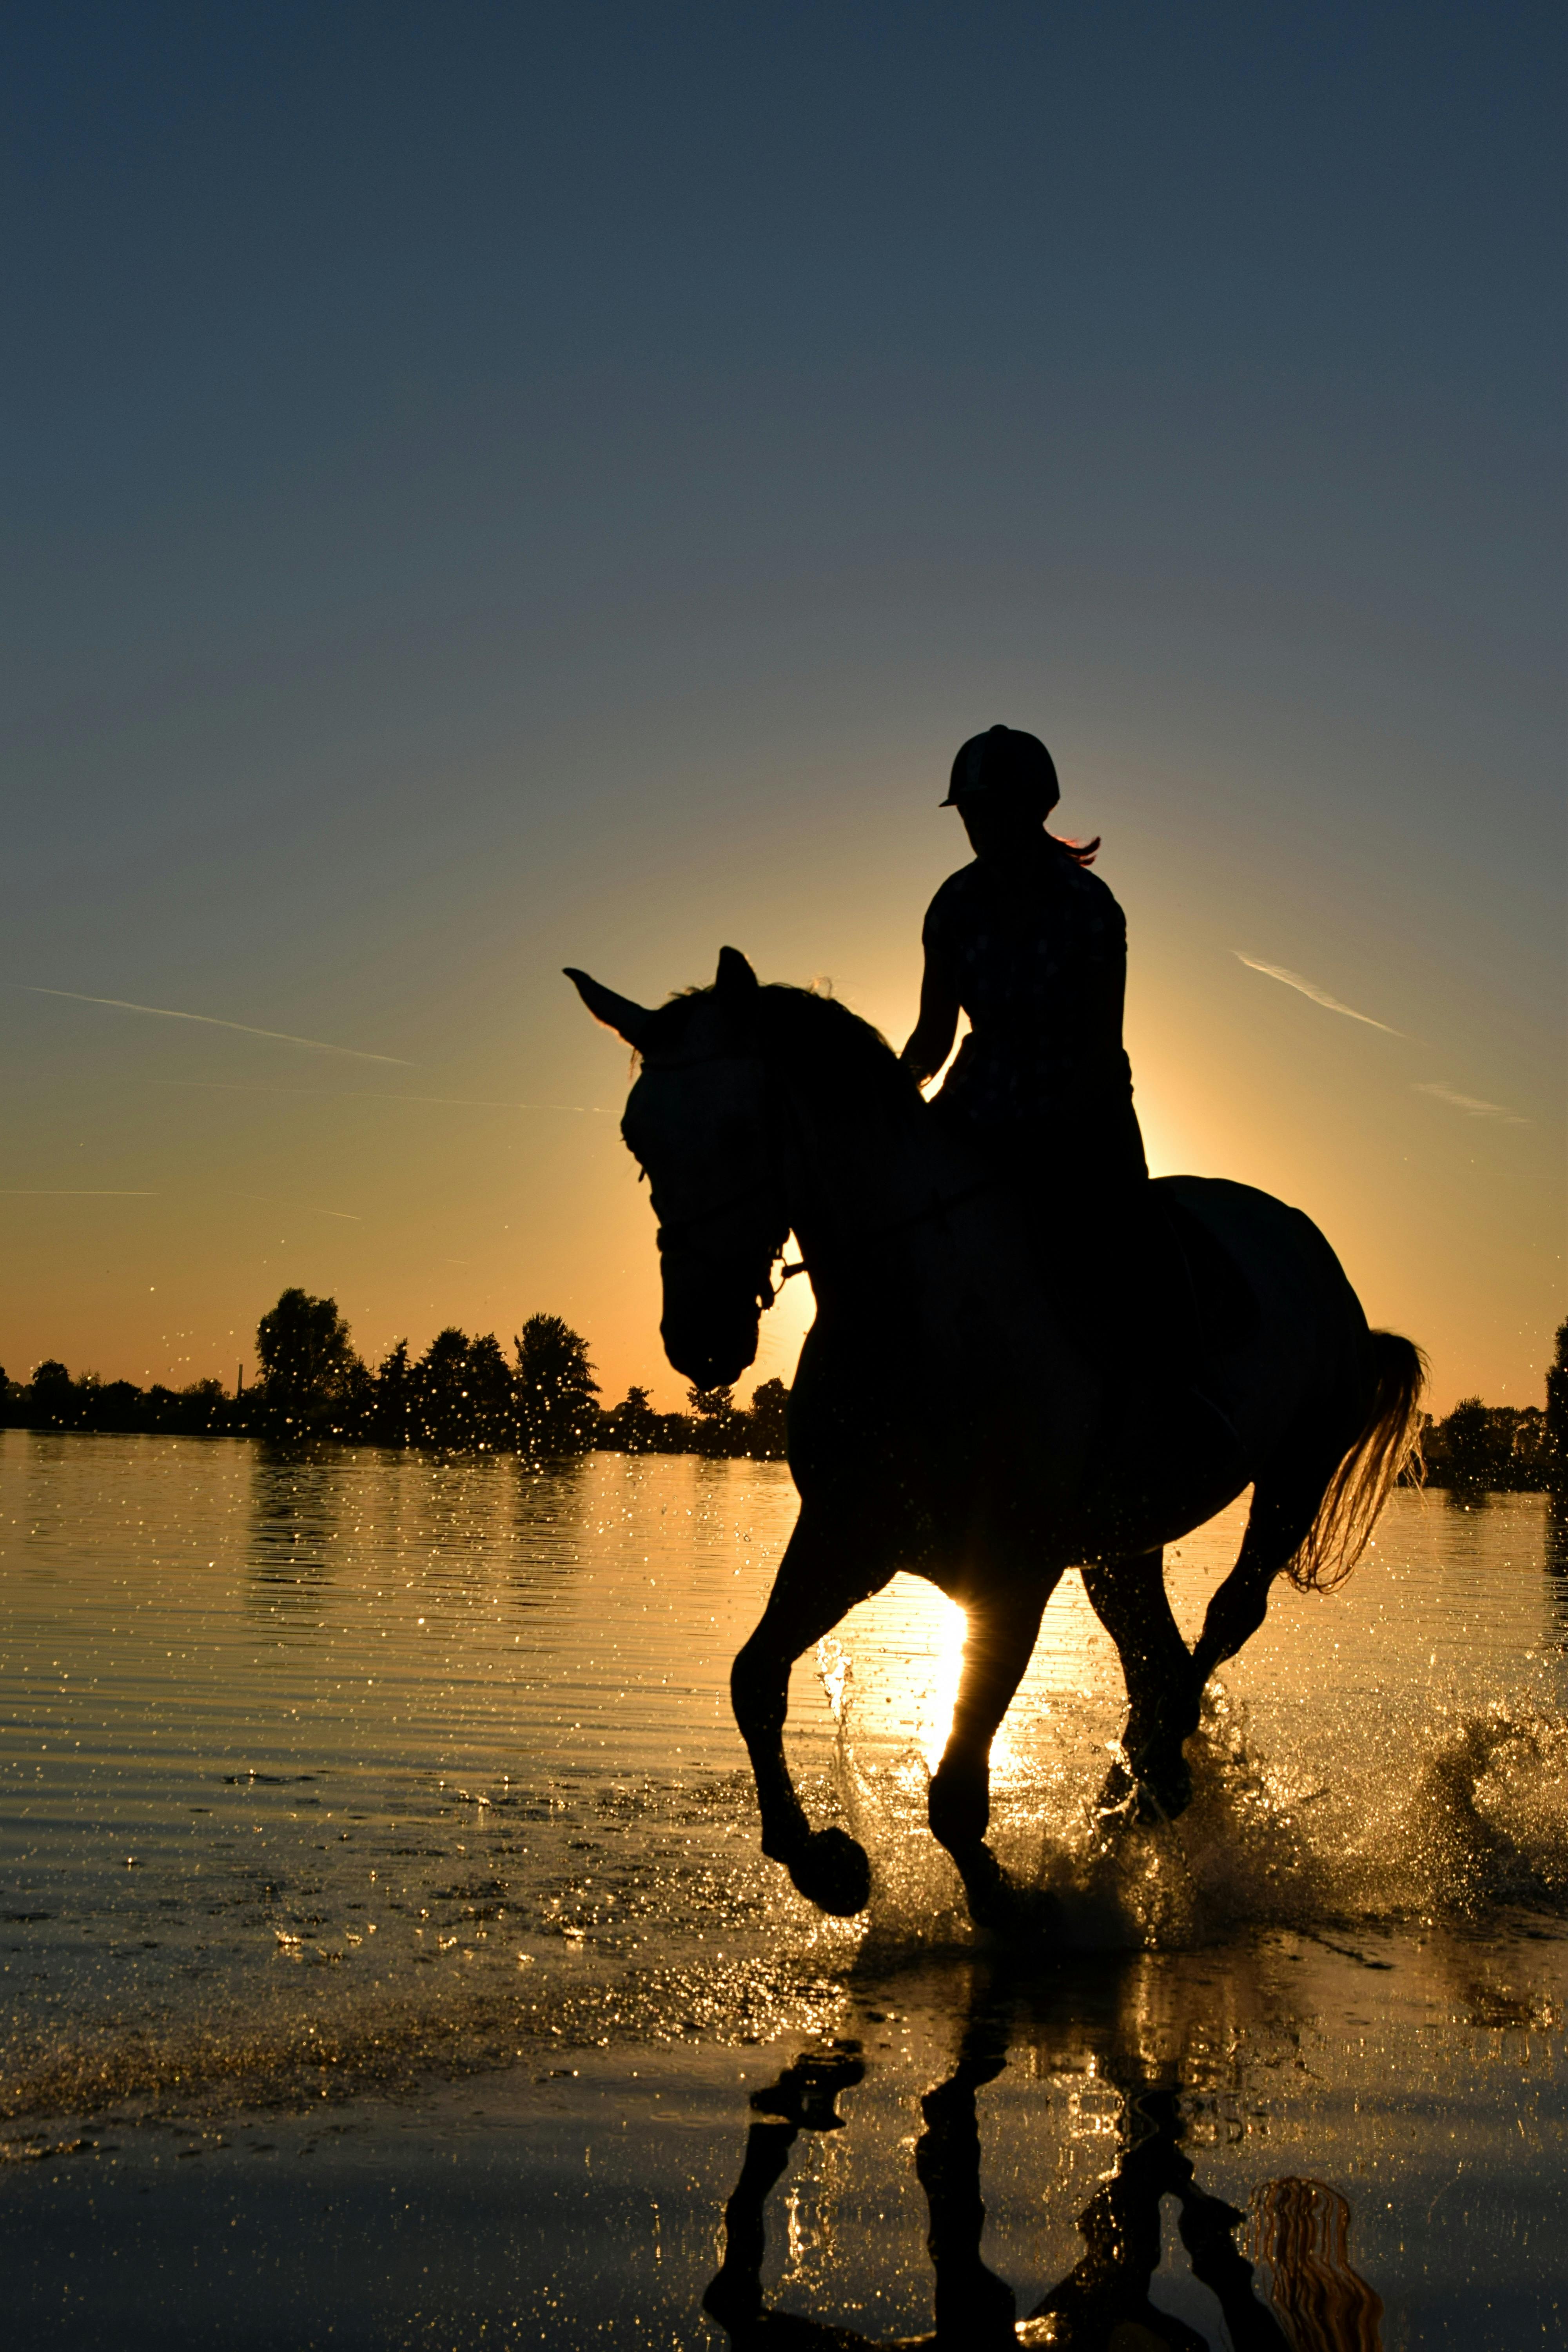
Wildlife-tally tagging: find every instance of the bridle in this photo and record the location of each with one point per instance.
(686, 1232)
(687, 1229)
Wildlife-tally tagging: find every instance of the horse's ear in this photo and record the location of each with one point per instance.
(735, 980)
(618, 1013)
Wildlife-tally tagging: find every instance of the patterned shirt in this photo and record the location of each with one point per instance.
(1037, 959)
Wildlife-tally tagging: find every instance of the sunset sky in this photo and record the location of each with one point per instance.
(501, 487)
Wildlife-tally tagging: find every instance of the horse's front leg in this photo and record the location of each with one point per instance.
(820, 1578)
(997, 1647)
(1164, 1691)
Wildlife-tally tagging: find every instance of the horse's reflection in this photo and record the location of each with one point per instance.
(1315, 2302)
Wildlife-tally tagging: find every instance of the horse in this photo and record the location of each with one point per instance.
(946, 1419)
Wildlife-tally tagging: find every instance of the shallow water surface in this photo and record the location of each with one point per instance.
(389, 1958)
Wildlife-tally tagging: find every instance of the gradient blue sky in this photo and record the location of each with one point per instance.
(491, 487)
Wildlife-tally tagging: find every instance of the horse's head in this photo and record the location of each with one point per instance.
(696, 1123)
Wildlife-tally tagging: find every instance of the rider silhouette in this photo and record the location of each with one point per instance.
(1033, 946)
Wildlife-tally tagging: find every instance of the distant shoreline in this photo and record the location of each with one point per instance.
(1432, 1485)
(543, 1404)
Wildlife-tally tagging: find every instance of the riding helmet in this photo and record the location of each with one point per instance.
(1004, 763)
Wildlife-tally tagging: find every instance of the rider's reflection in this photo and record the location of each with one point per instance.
(1297, 2234)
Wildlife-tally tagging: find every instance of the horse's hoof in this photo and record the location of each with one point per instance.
(1164, 1788)
(995, 1902)
(832, 1872)
(1118, 1790)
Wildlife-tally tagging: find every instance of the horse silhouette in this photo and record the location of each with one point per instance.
(946, 1419)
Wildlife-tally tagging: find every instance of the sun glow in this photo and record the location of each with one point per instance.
(940, 1696)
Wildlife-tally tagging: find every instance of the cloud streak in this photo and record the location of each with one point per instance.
(208, 1021)
(1318, 995)
(301, 1208)
(1471, 1105)
(367, 1094)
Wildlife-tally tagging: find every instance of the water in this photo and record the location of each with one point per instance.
(388, 1957)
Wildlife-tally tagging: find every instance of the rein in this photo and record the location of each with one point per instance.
(929, 1214)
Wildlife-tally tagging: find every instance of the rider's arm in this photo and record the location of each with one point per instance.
(931, 1041)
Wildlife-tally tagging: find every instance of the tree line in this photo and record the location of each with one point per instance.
(1497, 1449)
(542, 1401)
(1503, 1449)
(461, 1395)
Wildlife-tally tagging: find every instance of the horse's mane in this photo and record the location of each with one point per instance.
(814, 1037)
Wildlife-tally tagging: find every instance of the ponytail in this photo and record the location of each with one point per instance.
(1082, 853)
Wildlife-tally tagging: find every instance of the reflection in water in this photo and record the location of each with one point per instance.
(293, 1521)
(549, 1520)
(446, 1523)
(1292, 2290)
(1298, 2237)
(1557, 1564)
(1462, 1497)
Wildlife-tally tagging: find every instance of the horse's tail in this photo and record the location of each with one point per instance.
(1389, 1442)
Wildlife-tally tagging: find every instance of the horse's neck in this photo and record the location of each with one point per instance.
(859, 1180)
(891, 1210)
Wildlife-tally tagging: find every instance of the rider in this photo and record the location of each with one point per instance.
(1033, 946)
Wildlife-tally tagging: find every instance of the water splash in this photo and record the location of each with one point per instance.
(1455, 1818)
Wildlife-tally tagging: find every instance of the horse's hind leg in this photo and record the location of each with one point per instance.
(1128, 1595)
(819, 1579)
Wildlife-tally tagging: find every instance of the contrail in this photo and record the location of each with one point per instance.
(66, 1193)
(1318, 995)
(164, 1013)
(1442, 1092)
(366, 1094)
(301, 1208)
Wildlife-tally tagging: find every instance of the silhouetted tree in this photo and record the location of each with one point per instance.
(557, 1395)
(393, 1416)
(441, 1376)
(118, 1405)
(1470, 1447)
(713, 1410)
(204, 1408)
(306, 1360)
(631, 1426)
(1554, 1448)
(770, 1400)
(492, 1413)
(1527, 1448)
(355, 1406)
(53, 1402)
